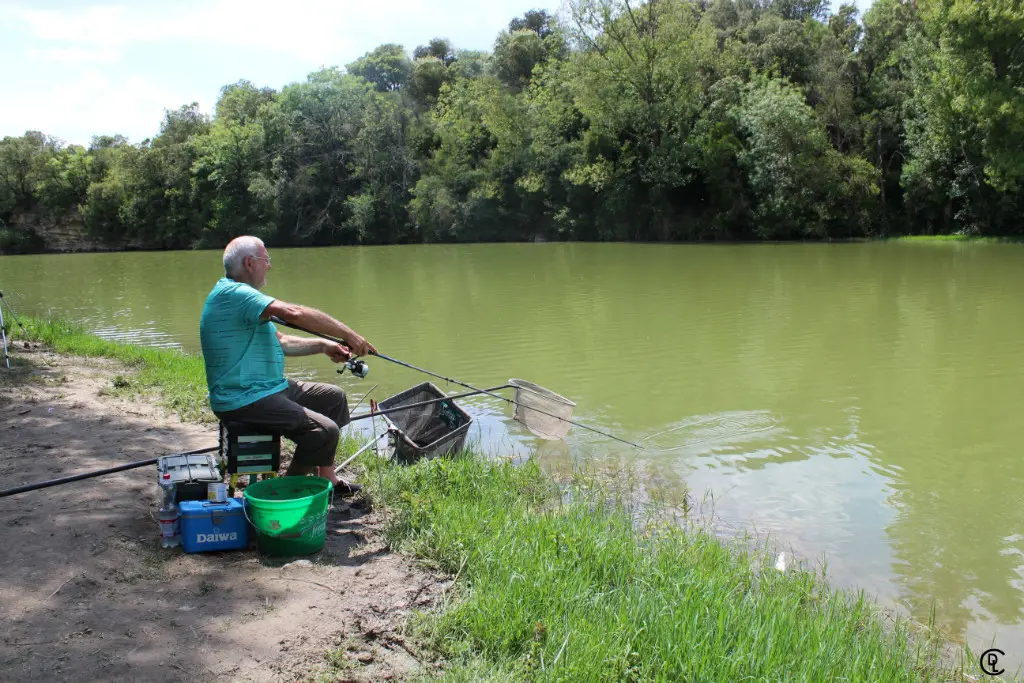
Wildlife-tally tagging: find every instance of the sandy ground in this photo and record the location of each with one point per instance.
(87, 594)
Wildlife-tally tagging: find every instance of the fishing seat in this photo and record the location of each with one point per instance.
(248, 450)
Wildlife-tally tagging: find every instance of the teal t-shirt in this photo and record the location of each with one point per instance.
(244, 360)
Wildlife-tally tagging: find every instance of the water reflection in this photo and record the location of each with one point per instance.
(704, 430)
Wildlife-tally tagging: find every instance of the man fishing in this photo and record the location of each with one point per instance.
(244, 356)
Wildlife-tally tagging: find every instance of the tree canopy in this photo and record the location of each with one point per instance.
(621, 120)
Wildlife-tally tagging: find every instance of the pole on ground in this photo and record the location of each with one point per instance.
(3, 333)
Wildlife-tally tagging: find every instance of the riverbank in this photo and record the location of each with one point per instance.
(535, 580)
(88, 594)
(70, 240)
(959, 237)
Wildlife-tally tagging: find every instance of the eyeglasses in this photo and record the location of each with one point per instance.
(264, 258)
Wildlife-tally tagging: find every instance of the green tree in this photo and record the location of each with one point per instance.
(515, 55)
(981, 69)
(655, 120)
(454, 199)
(530, 40)
(802, 187)
(315, 170)
(438, 48)
(63, 180)
(428, 74)
(387, 67)
(101, 212)
(883, 98)
(241, 102)
(538, 21)
(228, 162)
(21, 160)
(637, 82)
(386, 170)
(182, 125)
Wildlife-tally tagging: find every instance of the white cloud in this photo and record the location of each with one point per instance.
(225, 23)
(105, 68)
(76, 55)
(93, 104)
(316, 31)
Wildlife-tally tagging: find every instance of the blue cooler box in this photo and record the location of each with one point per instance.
(207, 526)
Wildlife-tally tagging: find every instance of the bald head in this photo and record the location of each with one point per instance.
(237, 250)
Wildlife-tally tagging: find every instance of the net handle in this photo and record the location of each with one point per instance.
(420, 404)
(396, 361)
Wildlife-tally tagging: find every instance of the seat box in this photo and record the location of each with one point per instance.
(207, 526)
(249, 449)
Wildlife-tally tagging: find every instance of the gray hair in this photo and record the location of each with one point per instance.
(237, 250)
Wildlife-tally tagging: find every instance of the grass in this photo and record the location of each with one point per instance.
(960, 237)
(563, 582)
(579, 591)
(178, 380)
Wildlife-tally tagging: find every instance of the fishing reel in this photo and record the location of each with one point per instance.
(359, 368)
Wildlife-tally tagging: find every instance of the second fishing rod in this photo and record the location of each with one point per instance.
(360, 369)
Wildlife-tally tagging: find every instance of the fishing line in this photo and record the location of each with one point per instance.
(277, 320)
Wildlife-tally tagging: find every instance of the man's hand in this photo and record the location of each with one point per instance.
(360, 346)
(336, 352)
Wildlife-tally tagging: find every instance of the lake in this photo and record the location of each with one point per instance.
(858, 402)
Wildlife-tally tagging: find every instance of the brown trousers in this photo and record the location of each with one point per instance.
(311, 414)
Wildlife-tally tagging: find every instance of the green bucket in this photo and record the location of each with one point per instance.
(289, 514)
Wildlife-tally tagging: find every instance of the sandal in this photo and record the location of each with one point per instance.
(347, 488)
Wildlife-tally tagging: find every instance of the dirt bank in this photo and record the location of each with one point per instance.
(88, 594)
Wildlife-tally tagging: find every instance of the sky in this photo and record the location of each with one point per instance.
(78, 68)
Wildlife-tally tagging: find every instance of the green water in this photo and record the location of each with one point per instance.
(860, 402)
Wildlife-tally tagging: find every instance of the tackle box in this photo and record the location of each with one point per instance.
(190, 474)
(207, 526)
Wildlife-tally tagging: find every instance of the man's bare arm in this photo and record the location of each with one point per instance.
(300, 346)
(318, 321)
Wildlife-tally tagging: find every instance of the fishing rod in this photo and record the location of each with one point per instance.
(98, 473)
(3, 328)
(3, 334)
(362, 370)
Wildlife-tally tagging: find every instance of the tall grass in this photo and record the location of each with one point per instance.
(578, 591)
